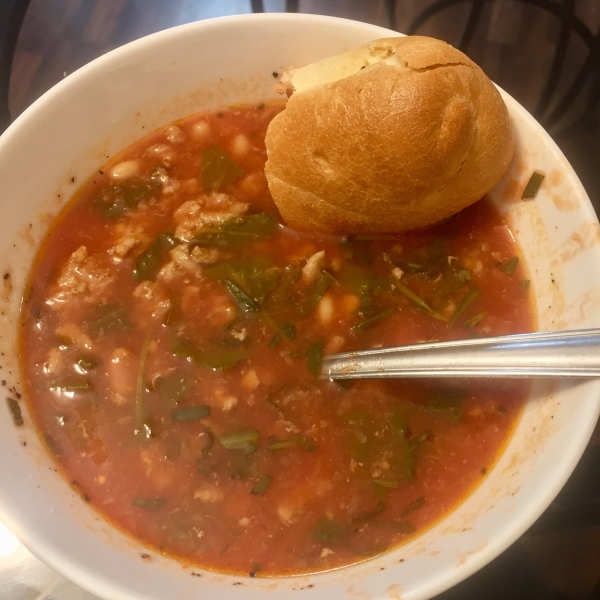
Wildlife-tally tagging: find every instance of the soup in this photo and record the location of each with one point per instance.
(173, 331)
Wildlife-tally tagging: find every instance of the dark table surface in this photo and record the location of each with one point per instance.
(544, 52)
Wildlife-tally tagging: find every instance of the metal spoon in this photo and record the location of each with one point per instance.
(556, 354)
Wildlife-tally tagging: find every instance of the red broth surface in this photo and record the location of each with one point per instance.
(173, 331)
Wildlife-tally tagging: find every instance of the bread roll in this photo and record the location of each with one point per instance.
(398, 134)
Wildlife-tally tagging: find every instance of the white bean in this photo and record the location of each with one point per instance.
(125, 170)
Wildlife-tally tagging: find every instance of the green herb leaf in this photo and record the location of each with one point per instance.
(470, 323)
(365, 516)
(375, 320)
(174, 387)
(510, 266)
(87, 363)
(524, 285)
(116, 200)
(314, 357)
(412, 296)
(290, 330)
(240, 440)
(327, 531)
(242, 299)
(218, 170)
(262, 485)
(237, 231)
(448, 403)
(312, 296)
(292, 442)
(147, 263)
(108, 317)
(465, 302)
(275, 340)
(386, 483)
(420, 501)
(533, 186)
(216, 358)
(191, 413)
(149, 503)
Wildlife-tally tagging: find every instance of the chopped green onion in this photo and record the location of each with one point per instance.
(262, 485)
(466, 301)
(470, 323)
(418, 440)
(191, 414)
(149, 503)
(533, 185)
(314, 357)
(386, 483)
(412, 296)
(510, 266)
(275, 341)
(375, 320)
(524, 285)
(240, 440)
(242, 299)
(420, 501)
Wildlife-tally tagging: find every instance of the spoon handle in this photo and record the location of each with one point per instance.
(556, 354)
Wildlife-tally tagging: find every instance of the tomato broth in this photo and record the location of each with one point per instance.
(173, 332)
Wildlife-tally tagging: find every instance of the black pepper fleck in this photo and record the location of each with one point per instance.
(6, 275)
(72, 179)
(275, 74)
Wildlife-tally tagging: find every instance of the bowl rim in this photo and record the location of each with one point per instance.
(519, 523)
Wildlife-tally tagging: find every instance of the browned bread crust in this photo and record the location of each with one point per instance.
(414, 135)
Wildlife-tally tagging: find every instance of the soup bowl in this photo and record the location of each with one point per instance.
(69, 132)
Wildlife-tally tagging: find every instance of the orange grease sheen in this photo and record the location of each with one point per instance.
(202, 515)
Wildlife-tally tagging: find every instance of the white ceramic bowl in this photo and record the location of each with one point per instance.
(122, 96)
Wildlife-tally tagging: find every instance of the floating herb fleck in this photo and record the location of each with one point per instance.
(292, 442)
(386, 483)
(510, 266)
(375, 320)
(533, 186)
(108, 317)
(191, 413)
(149, 503)
(326, 531)
(242, 299)
(218, 170)
(275, 341)
(470, 323)
(465, 302)
(412, 296)
(87, 363)
(241, 440)
(262, 485)
(148, 262)
(314, 357)
(420, 501)
(237, 231)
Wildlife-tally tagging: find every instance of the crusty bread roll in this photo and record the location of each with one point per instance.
(398, 134)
